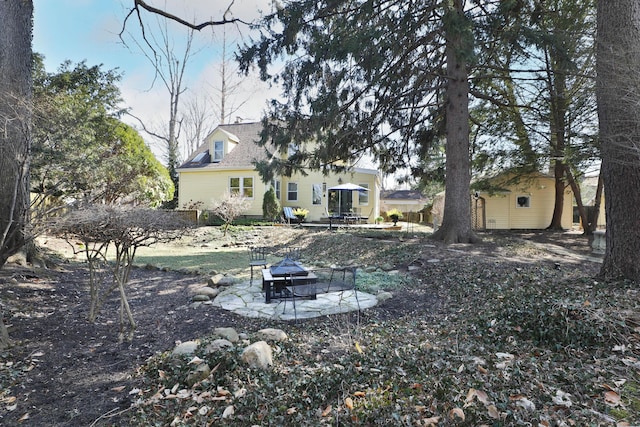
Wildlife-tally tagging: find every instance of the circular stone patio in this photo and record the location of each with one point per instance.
(247, 299)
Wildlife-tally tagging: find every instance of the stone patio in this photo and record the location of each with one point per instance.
(247, 299)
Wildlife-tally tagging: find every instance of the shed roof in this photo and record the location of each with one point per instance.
(402, 195)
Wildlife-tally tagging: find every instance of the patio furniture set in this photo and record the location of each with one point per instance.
(290, 280)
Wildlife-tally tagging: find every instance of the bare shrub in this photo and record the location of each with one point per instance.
(125, 229)
(230, 207)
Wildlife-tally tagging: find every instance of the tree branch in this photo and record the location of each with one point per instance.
(141, 4)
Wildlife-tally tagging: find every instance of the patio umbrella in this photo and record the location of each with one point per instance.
(346, 187)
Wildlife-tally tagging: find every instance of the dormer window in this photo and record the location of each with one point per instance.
(293, 149)
(218, 151)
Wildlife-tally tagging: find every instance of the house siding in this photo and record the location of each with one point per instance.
(202, 181)
(318, 212)
(201, 188)
(497, 212)
(502, 210)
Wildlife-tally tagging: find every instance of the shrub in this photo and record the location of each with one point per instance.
(394, 215)
(270, 205)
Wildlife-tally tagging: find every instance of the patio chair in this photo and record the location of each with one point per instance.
(340, 280)
(299, 287)
(257, 258)
(337, 279)
(293, 253)
(288, 214)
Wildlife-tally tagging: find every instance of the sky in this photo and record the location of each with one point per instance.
(88, 30)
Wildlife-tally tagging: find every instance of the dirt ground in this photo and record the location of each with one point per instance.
(65, 371)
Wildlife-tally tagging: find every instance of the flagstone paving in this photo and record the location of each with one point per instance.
(247, 299)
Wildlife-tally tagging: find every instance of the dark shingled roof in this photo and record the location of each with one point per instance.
(242, 155)
(402, 195)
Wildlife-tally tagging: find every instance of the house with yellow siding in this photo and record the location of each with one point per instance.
(223, 164)
(526, 203)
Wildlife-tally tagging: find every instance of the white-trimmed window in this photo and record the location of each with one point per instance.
(292, 191)
(275, 184)
(523, 201)
(292, 149)
(316, 194)
(363, 196)
(243, 186)
(218, 151)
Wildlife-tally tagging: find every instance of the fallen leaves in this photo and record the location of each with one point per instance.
(457, 415)
(348, 402)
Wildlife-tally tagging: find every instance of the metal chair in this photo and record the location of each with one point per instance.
(257, 258)
(299, 287)
(338, 279)
(293, 254)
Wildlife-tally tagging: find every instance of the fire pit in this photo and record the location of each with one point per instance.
(288, 267)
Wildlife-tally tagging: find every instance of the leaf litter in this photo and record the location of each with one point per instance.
(501, 332)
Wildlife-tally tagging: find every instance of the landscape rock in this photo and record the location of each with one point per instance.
(187, 347)
(227, 281)
(258, 355)
(216, 345)
(213, 280)
(221, 280)
(200, 298)
(383, 296)
(199, 374)
(208, 291)
(229, 334)
(19, 258)
(272, 334)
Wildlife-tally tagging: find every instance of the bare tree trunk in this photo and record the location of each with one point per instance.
(456, 223)
(578, 197)
(618, 91)
(558, 206)
(15, 130)
(595, 214)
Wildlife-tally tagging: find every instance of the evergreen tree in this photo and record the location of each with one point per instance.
(371, 77)
(81, 151)
(270, 205)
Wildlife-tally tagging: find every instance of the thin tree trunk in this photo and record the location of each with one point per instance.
(575, 188)
(593, 218)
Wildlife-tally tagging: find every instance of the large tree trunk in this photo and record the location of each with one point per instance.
(15, 124)
(618, 91)
(456, 222)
